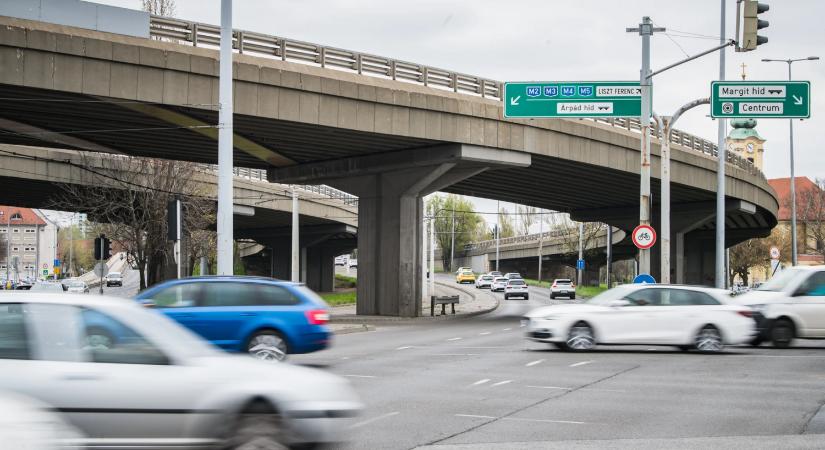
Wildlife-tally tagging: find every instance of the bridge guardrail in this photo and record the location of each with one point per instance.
(199, 34)
(517, 239)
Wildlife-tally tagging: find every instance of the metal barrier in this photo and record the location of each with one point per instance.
(201, 34)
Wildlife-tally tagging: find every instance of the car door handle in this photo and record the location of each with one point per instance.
(81, 377)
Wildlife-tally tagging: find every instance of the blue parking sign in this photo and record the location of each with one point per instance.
(551, 91)
(580, 264)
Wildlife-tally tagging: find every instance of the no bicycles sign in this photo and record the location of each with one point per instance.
(644, 236)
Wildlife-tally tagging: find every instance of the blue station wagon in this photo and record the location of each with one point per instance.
(267, 318)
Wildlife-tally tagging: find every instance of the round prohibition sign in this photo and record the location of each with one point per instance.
(644, 237)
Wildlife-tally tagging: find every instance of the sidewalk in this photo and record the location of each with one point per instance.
(469, 305)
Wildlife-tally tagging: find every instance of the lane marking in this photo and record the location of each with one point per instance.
(485, 333)
(480, 382)
(375, 419)
(580, 363)
(454, 339)
(551, 387)
(500, 383)
(360, 376)
(533, 363)
(474, 416)
(404, 347)
(507, 329)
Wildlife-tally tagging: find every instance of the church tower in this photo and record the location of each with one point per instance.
(744, 141)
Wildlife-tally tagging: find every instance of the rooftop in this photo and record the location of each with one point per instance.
(27, 216)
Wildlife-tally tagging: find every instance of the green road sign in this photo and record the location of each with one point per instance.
(572, 99)
(755, 99)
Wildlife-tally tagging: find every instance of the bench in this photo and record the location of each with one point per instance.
(443, 301)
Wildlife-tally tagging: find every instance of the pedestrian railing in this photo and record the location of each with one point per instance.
(275, 47)
(526, 238)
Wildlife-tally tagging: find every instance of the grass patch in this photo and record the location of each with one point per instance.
(590, 291)
(344, 282)
(339, 298)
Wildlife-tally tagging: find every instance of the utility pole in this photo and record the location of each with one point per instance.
(541, 239)
(609, 253)
(432, 254)
(452, 243)
(645, 30)
(71, 246)
(225, 146)
(581, 253)
(720, 171)
(794, 247)
(296, 245)
(498, 231)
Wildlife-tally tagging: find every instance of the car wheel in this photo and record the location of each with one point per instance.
(552, 297)
(581, 337)
(709, 340)
(258, 427)
(527, 297)
(573, 297)
(782, 333)
(267, 345)
(506, 297)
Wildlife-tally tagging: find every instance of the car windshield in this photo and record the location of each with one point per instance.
(608, 296)
(781, 280)
(76, 284)
(500, 280)
(562, 281)
(516, 282)
(486, 278)
(114, 274)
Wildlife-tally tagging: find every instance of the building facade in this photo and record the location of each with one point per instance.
(28, 244)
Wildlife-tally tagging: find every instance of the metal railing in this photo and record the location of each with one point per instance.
(200, 34)
(526, 238)
(260, 176)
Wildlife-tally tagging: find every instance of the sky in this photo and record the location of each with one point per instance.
(566, 40)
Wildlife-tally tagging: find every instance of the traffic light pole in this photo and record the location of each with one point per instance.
(102, 244)
(225, 146)
(720, 172)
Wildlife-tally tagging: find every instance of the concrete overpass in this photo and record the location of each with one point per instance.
(328, 219)
(388, 131)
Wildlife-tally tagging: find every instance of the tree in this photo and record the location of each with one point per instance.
(128, 196)
(746, 255)
(74, 250)
(811, 211)
(528, 216)
(159, 7)
(568, 232)
(506, 224)
(468, 224)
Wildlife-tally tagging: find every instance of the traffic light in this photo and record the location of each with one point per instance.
(103, 248)
(752, 24)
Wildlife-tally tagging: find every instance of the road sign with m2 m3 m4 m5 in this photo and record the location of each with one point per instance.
(554, 99)
(760, 99)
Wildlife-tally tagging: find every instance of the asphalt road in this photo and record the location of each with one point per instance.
(476, 383)
(131, 285)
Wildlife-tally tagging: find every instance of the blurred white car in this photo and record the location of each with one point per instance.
(484, 281)
(499, 283)
(129, 377)
(113, 279)
(77, 286)
(516, 287)
(28, 424)
(790, 305)
(682, 316)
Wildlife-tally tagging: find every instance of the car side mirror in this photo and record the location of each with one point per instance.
(148, 303)
(619, 303)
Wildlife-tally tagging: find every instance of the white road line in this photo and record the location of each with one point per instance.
(507, 329)
(454, 339)
(551, 387)
(481, 382)
(580, 363)
(404, 347)
(361, 376)
(533, 363)
(474, 416)
(485, 333)
(375, 419)
(500, 383)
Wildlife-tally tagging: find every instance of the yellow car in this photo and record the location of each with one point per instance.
(465, 277)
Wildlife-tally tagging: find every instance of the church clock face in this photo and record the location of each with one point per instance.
(750, 147)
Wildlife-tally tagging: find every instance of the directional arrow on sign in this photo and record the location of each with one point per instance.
(797, 100)
(514, 100)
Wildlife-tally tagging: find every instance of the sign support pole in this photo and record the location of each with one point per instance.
(720, 172)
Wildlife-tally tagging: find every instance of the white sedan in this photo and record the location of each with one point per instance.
(154, 384)
(682, 316)
(484, 281)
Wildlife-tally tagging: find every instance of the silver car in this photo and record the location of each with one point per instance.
(77, 287)
(126, 376)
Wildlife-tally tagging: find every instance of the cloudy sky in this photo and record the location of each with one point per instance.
(565, 40)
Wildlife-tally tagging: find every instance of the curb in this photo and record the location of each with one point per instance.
(359, 328)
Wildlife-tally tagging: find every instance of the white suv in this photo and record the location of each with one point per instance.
(563, 287)
(484, 281)
(790, 305)
(516, 288)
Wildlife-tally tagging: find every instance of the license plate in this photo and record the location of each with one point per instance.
(563, 292)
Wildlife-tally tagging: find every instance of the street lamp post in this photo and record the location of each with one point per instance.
(8, 241)
(794, 248)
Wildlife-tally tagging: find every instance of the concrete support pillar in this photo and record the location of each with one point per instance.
(320, 268)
